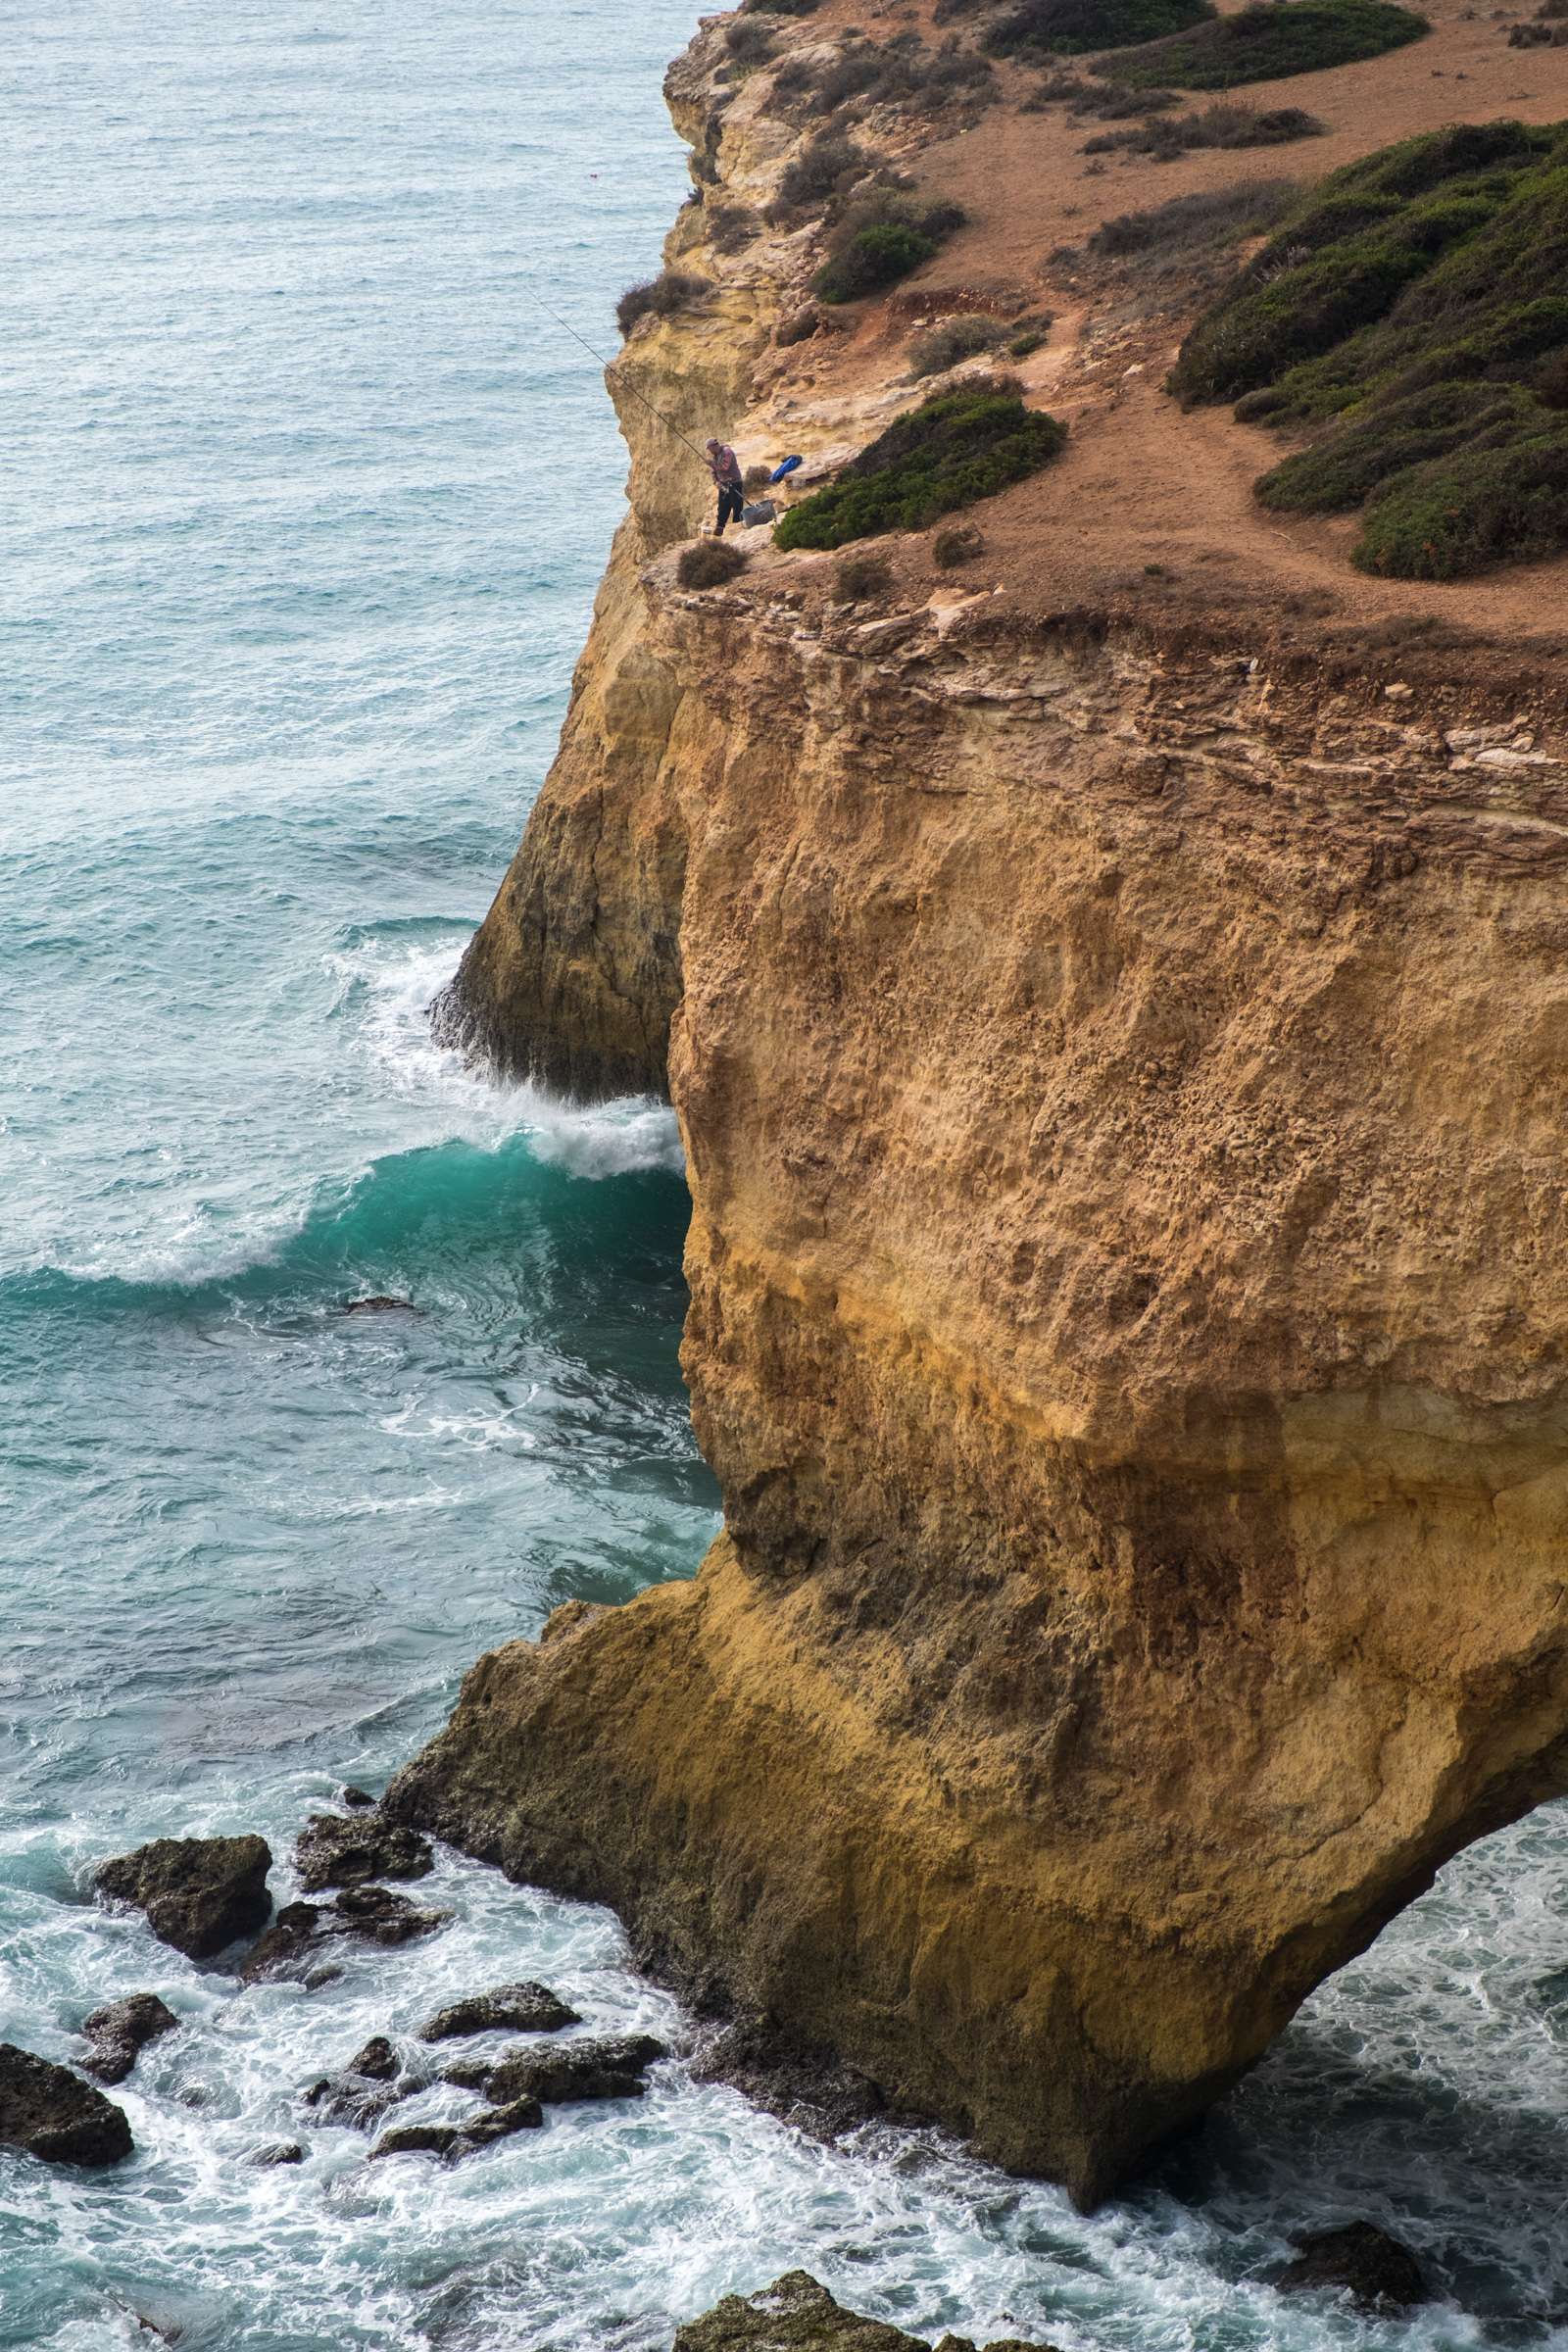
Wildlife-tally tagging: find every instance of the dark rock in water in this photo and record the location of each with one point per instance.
(610, 2068)
(200, 1895)
(415, 2140)
(378, 1916)
(294, 1942)
(791, 2077)
(796, 2314)
(49, 2112)
(357, 1797)
(334, 1850)
(526, 2008)
(377, 2062)
(379, 1302)
(348, 2098)
(793, 2314)
(280, 2151)
(1374, 2269)
(498, 2123)
(122, 2029)
(468, 2074)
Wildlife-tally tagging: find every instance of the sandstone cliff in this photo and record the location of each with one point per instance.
(1118, 1020)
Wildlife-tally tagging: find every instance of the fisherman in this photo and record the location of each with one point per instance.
(725, 467)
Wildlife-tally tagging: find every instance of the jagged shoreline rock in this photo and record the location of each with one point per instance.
(797, 2314)
(120, 2030)
(200, 1895)
(1127, 1286)
(51, 2113)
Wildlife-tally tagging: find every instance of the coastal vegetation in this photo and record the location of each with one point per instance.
(659, 297)
(1271, 41)
(880, 237)
(1079, 28)
(1409, 315)
(947, 452)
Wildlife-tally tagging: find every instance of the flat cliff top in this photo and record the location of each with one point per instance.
(1150, 511)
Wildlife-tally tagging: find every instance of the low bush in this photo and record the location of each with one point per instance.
(954, 339)
(748, 40)
(873, 258)
(660, 297)
(708, 563)
(858, 578)
(879, 238)
(1412, 311)
(959, 543)
(731, 228)
(757, 478)
(1271, 41)
(949, 452)
(1027, 334)
(780, 7)
(1207, 217)
(1225, 123)
(824, 167)
(903, 73)
(1081, 27)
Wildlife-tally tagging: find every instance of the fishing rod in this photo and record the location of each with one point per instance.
(698, 454)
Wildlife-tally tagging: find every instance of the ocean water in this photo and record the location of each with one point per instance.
(306, 499)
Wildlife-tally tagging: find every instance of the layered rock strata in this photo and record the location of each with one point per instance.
(1121, 1060)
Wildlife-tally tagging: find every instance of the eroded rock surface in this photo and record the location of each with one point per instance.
(48, 2112)
(1122, 1059)
(1362, 2261)
(797, 2314)
(336, 1849)
(200, 1895)
(610, 2067)
(526, 2008)
(295, 1943)
(121, 2030)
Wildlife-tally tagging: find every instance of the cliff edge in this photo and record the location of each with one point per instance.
(1115, 997)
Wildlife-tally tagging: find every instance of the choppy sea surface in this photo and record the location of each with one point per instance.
(306, 499)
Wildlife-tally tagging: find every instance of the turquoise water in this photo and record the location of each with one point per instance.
(306, 505)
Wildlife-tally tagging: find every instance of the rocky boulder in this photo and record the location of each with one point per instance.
(797, 2314)
(334, 1850)
(610, 2067)
(122, 2029)
(1377, 2272)
(200, 1895)
(49, 2112)
(526, 2008)
(455, 2140)
(294, 1944)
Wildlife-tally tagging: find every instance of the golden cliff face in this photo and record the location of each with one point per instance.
(1122, 1068)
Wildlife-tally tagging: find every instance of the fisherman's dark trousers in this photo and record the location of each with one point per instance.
(731, 499)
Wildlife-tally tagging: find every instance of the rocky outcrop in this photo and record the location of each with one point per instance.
(48, 2112)
(1121, 1048)
(525, 2008)
(336, 1849)
(1361, 2261)
(120, 2030)
(200, 1895)
(796, 2314)
(299, 1939)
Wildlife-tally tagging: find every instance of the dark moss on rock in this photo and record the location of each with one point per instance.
(200, 1895)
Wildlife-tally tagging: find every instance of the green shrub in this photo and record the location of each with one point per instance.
(873, 258)
(780, 7)
(1225, 123)
(659, 297)
(1413, 312)
(825, 165)
(1272, 41)
(954, 339)
(708, 563)
(1079, 28)
(951, 451)
(748, 40)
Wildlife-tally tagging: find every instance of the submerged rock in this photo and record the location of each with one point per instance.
(526, 2008)
(610, 2067)
(47, 2111)
(358, 1798)
(800, 2080)
(336, 1851)
(468, 2074)
(293, 1944)
(200, 1895)
(1372, 2268)
(379, 1302)
(279, 2152)
(354, 2101)
(120, 2030)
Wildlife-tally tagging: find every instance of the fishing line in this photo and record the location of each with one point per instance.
(698, 454)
